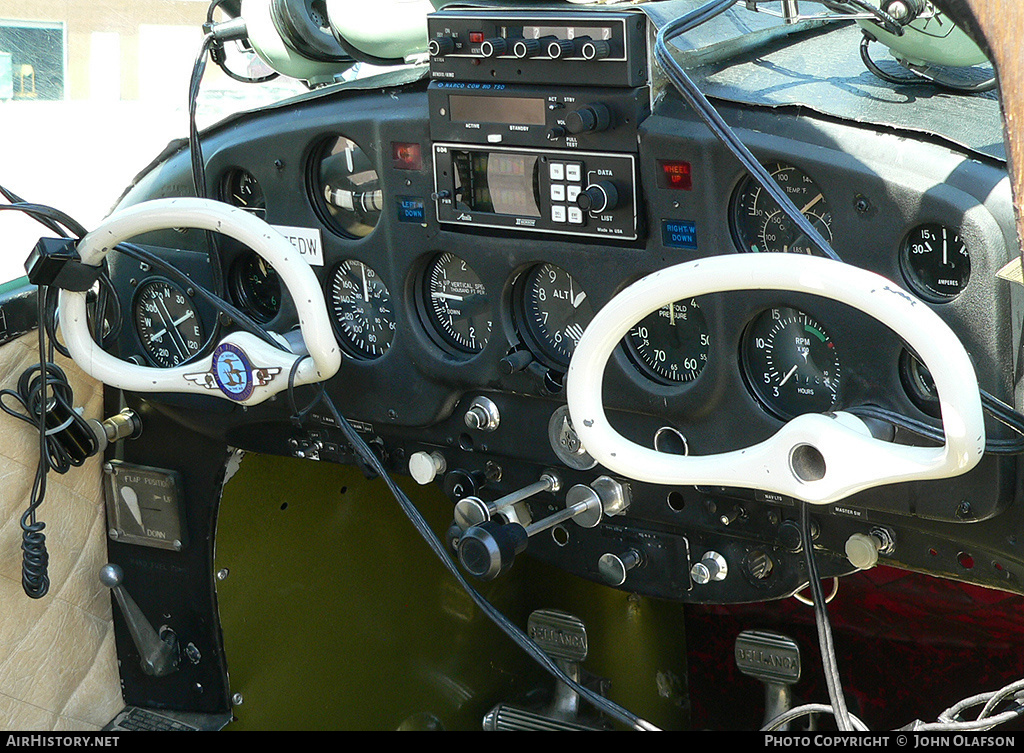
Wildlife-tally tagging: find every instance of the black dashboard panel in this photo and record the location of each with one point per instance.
(420, 279)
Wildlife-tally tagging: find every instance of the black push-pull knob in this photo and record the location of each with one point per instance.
(487, 550)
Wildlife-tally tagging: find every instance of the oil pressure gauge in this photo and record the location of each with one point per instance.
(935, 262)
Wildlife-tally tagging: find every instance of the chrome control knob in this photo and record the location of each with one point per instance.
(613, 568)
(712, 567)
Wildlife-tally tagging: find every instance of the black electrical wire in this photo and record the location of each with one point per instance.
(512, 630)
(696, 99)
(43, 392)
(218, 55)
(196, 153)
(828, 654)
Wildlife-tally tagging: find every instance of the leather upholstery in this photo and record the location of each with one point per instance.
(58, 665)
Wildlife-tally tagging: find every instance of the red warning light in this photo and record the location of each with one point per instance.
(406, 156)
(676, 175)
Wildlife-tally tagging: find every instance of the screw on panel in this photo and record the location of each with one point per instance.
(237, 700)
(222, 574)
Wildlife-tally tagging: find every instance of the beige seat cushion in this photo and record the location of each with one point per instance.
(58, 666)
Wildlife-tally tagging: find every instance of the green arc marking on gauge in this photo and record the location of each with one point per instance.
(813, 331)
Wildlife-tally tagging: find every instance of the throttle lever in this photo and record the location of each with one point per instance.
(158, 652)
(488, 549)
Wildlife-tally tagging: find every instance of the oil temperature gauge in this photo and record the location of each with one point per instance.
(457, 304)
(791, 363)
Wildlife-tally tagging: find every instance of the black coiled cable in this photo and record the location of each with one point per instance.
(45, 396)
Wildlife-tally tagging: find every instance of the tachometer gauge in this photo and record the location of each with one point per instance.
(166, 323)
(239, 188)
(364, 316)
(759, 224)
(791, 363)
(256, 287)
(935, 262)
(457, 303)
(555, 311)
(672, 343)
(346, 186)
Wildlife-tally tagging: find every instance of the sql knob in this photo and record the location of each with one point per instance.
(712, 567)
(598, 197)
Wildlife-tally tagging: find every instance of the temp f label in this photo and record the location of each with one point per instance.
(307, 241)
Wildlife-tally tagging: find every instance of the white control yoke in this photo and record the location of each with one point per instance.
(815, 457)
(243, 368)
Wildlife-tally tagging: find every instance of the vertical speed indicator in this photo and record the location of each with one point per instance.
(791, 363)
(457, 304)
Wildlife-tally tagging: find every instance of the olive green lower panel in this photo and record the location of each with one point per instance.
(336, 615)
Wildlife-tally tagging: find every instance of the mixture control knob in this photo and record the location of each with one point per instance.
(712, 567)
(487, 550)
(493, 47)
(591, 118)
(614, 568)
(425, 466)
(598, 197)
(441, 46)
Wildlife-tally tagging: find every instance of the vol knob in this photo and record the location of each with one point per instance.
(598, 197)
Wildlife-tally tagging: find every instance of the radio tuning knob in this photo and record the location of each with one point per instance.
(493, 47)
(529, 48)
(596, 50)
(441, 46)
(589, 119)
(598, 197)
(561, 48)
